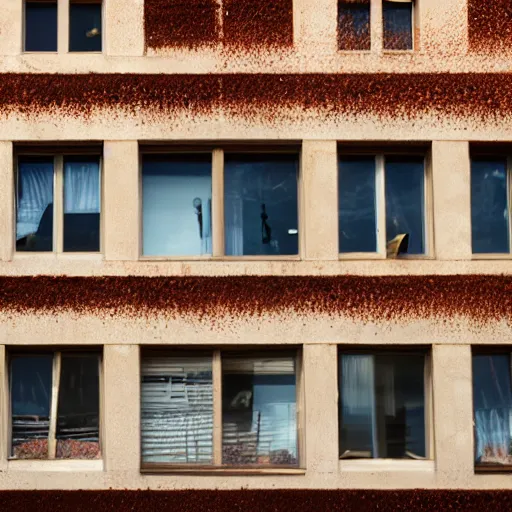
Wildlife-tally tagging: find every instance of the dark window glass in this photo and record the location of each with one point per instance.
(31, 391)
(382, 406)
(34, 206)
(260, 205)
(490, 215)
(356, 205)
(492, 402)
(81, 204)
(78, 411)
(405, 201)
(85, 27)
(259, 416)
(176, 205)
(397, 25)
(40, 27)
(354, 26)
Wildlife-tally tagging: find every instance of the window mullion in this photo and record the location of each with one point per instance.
(218, 203)
(376, 26)
(52, 430)
(58, 204)
(380, 187)
(217, 408)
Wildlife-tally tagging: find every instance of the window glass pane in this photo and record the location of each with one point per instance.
(85, 27)
(397, 25)
(176, 205)
(260, 205)
(78, 410)
(490, 215)
(81, 204)
(259, 416)
(354, 26)
(382, 411)
(177, 410)
(492, 402)
(405, 201)
(34, 213)
(31, 388)
(40, 27)
(356, 205)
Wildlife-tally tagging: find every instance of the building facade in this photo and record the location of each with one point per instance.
(317, 294)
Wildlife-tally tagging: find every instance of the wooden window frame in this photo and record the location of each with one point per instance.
(218, 153)
(54, 401)
(496, 255)
(428, 397)
(380, 202)
(58, 198)
(217, 467)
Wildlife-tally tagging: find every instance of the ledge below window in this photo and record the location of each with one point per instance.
(388, 465)
(214, 470)
(54, 465)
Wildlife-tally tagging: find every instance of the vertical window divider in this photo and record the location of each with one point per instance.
(300, 400)
(509, 205)
(52, 431)
(217, 407)
(101, 380)
(376, 26)
(58, 204)
(380, 191)
(218, 246)
(63, 26)
(429, 408)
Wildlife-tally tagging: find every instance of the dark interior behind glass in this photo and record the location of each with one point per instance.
(40, 26)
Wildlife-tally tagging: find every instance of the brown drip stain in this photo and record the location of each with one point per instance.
(490, 25)
(385, 298)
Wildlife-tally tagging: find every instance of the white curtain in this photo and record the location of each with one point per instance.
(206, 242)
(81, 187)
(493, 434)
(234, 231)
(35, 193)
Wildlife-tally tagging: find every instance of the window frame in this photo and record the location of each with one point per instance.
(426, 351)
(217, 218)
(59, 155)
(24, 27)
(370, 29)
(217, 466)
(68, 26)
(380, 156)
(54, 403)
(493, 155)
(414, 24)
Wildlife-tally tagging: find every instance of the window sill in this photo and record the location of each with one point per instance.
(213, 470)
(27, 255)
(55, 465)
(372, 465)
(492, 256)
(218, 258)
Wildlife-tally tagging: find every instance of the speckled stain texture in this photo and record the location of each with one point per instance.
(482, 299)
(490, 25)
(484, 96)
(256, 500)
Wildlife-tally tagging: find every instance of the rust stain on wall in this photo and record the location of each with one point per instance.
(490, 25)
(477, 297)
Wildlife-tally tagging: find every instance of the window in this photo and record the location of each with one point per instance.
(41, 26)
(58, 203)
(382, 405)
(492, 403)
(382, 205)
(85, 26)
(354, 25)
(490, 205)
(398, 24)
(219, 409)
(253, 212)
(54, 402)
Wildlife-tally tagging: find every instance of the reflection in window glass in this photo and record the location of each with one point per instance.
(356, 205)
(78, 410)
(177, 410)
(397, 25)
(492, 402)
(40, 27)
(81, 204)
(382, 407)
(354, 26)
(34, 207)
(260, 205)
(31, 391)
(176, 205)
(490, 215)
(405, 201)
(259, 417)
(85, 27)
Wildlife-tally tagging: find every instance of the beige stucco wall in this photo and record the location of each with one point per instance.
(443, 46)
